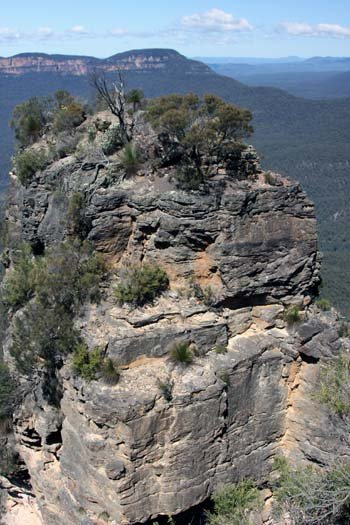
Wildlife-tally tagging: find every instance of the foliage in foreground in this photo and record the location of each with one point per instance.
(334, 389)
(233, 504)
(313, 496)
(140, 285)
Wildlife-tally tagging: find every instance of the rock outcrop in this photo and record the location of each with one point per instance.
(161, 440)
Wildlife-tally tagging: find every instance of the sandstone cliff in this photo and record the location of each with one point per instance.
(145, 60)
(128, 452)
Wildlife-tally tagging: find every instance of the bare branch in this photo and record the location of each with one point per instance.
(116, 101)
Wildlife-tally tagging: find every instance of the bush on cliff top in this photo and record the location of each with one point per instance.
(140, 285)
(31, 119)
(204, 128)
(68, 112)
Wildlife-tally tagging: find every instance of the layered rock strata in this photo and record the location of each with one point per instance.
(161, 440)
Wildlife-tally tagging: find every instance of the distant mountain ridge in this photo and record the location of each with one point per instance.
(134, 60)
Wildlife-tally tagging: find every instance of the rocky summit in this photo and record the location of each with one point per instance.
(239, 251)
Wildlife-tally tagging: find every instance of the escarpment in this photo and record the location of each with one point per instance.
(238, 251)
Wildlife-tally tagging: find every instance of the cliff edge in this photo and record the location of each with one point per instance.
(239, 251)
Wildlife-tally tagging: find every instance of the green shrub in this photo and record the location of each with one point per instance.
(20, 282)
(135, 97)
(65, 278)
(91, 365)
(225, 378)
(324, 304)
(189, 178)
(292, 315)
(334, 389)
(233, 504)
(130, 158)
(313, 495)
(201, 127)
(204, 294)
(112, 140)
(39, 340)
(87, 363)
(70, 116)
(181, 353)
(141, 284)
(28, 163)
(29, 120)
(69, 275)
(102, 125)
(110, 372)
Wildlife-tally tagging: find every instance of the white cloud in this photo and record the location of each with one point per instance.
(118, 32)
(78, 30)
(215, 21)
(9, 35)
(318, 30)
(295, 28)
(47, 33)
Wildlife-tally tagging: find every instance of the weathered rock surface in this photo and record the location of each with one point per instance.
(130, 452)
(161, 440)
(251, 242)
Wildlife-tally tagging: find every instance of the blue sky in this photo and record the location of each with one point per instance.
(195, 28)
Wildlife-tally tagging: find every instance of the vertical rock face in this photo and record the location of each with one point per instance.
(163, 438)
(133, 452)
